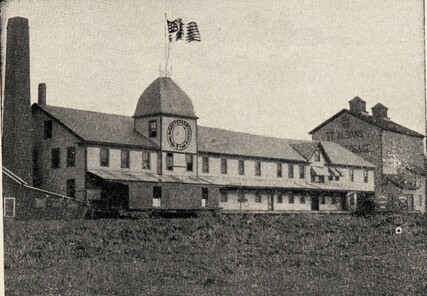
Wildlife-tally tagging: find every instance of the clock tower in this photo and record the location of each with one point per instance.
(165, 115)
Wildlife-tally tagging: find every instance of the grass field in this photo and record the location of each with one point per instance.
(224, 255)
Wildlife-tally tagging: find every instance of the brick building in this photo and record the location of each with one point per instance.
(396, 151)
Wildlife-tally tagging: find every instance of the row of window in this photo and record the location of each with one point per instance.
(104, 158)
(157, 193)
(241, 168)
(291, 198)
(55, 157)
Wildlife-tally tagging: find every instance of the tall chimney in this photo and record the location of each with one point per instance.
(16, 136)
(357, 105)
(380, 111)
(42, 94)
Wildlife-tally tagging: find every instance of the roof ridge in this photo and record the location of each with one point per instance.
(81, 110)
(297, 141)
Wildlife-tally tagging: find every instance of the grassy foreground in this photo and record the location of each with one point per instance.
(224, 255)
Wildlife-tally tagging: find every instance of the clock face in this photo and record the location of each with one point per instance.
(179, 134)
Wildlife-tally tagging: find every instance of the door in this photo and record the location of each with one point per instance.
(315, 203)
(410, 202)
(344, 203)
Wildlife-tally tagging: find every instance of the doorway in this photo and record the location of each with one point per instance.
(315, 202)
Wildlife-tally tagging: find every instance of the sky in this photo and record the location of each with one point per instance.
(275, 68)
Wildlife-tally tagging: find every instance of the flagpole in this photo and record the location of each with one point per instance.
(166, 46)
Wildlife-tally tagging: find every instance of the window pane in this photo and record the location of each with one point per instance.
(124, 159)
(205, 165)
(48, 129)
(224, 197)
(241, 167)
(152, 128)
(189, 160)
(223, 166)
(56, 158)
(205, 193)
(169, 161)
(105, 157)
(71, 188)
(257, 168)
(279, 170)
(146, 162)
(9, 207)
(71, 156)
(301, 171)
(291, 171)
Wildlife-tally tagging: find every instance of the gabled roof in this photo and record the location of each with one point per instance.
(387, 125)
(219, 141)
(164, 96)
(98, 127)
(338, 155)
(306, 149)
(214, 140)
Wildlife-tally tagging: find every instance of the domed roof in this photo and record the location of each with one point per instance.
(163, 96)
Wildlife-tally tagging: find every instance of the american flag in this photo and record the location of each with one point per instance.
(179, 31)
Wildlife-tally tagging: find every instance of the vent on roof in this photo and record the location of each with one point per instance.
(357, 105)
(380, 111)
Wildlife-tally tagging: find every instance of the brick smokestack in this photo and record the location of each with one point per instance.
(16, 136)
(42, 94)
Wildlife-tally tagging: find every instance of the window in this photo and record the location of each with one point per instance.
(280, 198)
(169, 161)
(365, 176)
(157, 195)
(352, 199)
(189, 161)
(241, 167)
(291, 198)
(146, 161)
(279, 170)
(224, 197)
(9, 207)
(124, 159)
(302, 199)
(290, 171)
(152, 128)
(420, 199)
(223, 166)
(157, 192)
(56, 158)
(302, 171)
(241, 196)
(48, 129)
(317, 155)
(351, 174)
(104, 157)
(205, 193)
(334, 200)
(205, 164)
(321, 179)
(257, 197)
(323, 200)
(330, 177)
(71, 188)
(337, 178)
(257, 168)
(71, 156)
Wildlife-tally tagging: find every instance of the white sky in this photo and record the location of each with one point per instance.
(277, 68)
